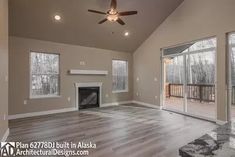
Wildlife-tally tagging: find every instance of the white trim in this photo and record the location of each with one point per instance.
(6, 134)
(191, 52)
(88, 72)
(120, 91)
(229, 51)
(116, 103)
(45, 96)
(162, 91)
(109, 104)
(220, 122)
(189, 114)
(33, 114)
(87, 84)
(146, 104)
(188, 42)
(215, 81)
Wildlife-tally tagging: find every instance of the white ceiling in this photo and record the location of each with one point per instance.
(34, 19)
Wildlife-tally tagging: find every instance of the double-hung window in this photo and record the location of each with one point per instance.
(45, 75)
(120, 76)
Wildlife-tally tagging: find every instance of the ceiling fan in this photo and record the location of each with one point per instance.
(112, 14)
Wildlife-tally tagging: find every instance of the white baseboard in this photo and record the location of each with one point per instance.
(146, 104)
(220, 122)
(115, 103)
(33, 114)
(6, 134)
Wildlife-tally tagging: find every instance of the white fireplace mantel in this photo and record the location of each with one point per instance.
(88, 84)
(87, 72)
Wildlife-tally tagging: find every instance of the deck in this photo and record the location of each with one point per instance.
(205, 109)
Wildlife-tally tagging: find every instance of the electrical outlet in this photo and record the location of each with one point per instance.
(137, 94)
(155, 79)
(69, 99)
(25, 102)
(106, 95)
(137, 79)
(156, 97)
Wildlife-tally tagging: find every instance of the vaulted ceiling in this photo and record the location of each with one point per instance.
(34, 19)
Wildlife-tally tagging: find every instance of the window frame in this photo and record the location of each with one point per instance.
(30, 78)
(127, 81)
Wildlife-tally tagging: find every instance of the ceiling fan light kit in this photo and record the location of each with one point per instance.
(112, 14)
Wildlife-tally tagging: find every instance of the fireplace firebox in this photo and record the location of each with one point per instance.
(89, 97)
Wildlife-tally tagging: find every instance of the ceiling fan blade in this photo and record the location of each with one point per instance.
(95, 11)
(113, 4)
(102, 21)
(120, 21)
(126, 13)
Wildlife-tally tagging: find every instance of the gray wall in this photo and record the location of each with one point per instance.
(192, 20)
(3, 66)
(70, 57)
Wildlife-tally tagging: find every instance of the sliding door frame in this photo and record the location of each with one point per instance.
(229, 76)
(162, 93)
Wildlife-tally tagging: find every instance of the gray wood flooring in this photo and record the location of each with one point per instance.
(120, 131)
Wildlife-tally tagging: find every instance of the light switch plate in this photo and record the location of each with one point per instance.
(4, 116)
(6, 78)
(82, 63)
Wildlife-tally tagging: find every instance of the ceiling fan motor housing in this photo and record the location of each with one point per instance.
(112, 14)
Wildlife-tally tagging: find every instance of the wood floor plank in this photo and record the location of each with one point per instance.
(125, 131)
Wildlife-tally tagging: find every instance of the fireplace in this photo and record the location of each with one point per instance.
(88, 95)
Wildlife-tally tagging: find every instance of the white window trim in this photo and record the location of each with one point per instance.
(127, 84)
(120, 91)
(45, 96)
(30, 79)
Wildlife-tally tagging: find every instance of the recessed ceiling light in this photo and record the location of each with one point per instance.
(57, 17)
(126, 34)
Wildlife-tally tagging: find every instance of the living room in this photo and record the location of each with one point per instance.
(130, 78)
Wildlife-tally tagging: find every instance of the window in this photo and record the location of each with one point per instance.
(44, 75)
(120, 76)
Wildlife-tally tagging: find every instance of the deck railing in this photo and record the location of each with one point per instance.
(200, 92)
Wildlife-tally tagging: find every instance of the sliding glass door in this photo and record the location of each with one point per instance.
(231, 58)
(189, 78)
(201, 83)
(173, 83)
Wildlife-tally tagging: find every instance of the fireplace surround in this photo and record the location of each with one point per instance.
(88, 95)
